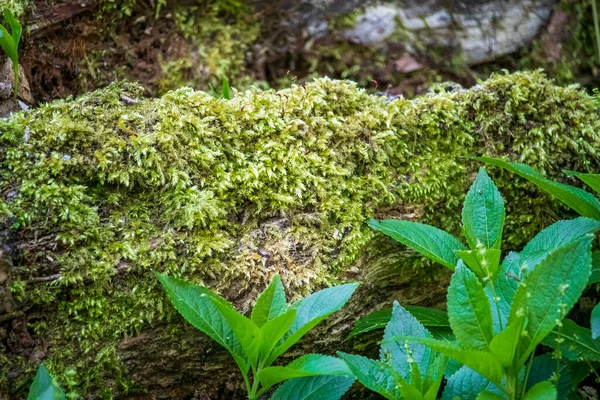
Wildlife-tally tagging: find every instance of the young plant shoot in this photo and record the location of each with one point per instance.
(10, 43)
(273, 327)
(45, 387)
(498, 312)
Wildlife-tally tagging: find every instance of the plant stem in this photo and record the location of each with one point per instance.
(255, 382)
(491, 283)
(527, 373)
(596, 27)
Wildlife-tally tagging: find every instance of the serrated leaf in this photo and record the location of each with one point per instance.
(504, 345)
(312, 310)
(313, 388)
(374, 375)
(270, 303)
(469, 310)
(481, 361)
(427, 240)
(483, 214)
(194, 303)
(403, 323)
(541, 391)
(592, 180)
(595, 323)
(543, 368)
(578, 199)
(555, 236)
(273, 330)
(379, 319)
(553, 288)
(576, 343)
(307, 365)
(465, 384)
(45, 387)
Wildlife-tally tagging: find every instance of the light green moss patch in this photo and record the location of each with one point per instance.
(104, 188)
(17, 7)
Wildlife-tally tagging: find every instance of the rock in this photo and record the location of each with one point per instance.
(8, 103)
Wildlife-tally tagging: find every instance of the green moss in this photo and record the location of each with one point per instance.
(103, 189)
(17, 7)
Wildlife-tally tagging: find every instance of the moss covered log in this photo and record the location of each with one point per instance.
(100, 190)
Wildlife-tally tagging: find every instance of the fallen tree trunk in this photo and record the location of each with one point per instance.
(99, 191)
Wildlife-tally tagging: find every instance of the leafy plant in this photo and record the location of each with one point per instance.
(500, 312)
(224, 93)
(45, 387)
(10, 43)
(273, 327)
(411, 370)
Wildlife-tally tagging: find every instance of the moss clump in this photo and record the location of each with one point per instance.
(17, 7)
(102, 189)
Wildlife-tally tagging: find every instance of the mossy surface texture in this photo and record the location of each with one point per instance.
(100, 190)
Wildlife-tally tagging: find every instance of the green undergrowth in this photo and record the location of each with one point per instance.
(106, 187)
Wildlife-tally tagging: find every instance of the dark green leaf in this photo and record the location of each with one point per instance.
(576, 343)
(270, 303)
(592, 180)
(374, 375)
(543, 368)
(489, 396)
(595, 275)
(312, 310)
(501, 290)
(465, 384)
(403, 323)
(469, 310)
(430, 241)
(578, 199)
(45, 387)
(596, 322)
(307, 365)
(541, 391)
(483, 214)
(313, 388)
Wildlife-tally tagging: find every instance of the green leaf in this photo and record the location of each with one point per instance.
(8, 44)
(45, 387)
(543, 368)
(578, 199)
(483, 262)
(195, 303)
(272, 331)
(576, 343)
(313, 388)
(403, 323)
(595, 275)
(555, 236)
(592, 180)
(469, 310)
(553, 287)
(483, 214)
(433, 377)
(374, 375)
(379, 319)
(481, 361)
(307, 365)
(225, 90)
(595, 323)
(312, 310)
(541, 391)
(15, 26)
(504, 345)
(270, 303)
(430, 241)
(465, 384)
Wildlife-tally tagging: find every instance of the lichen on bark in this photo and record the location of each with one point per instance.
(102, 189)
